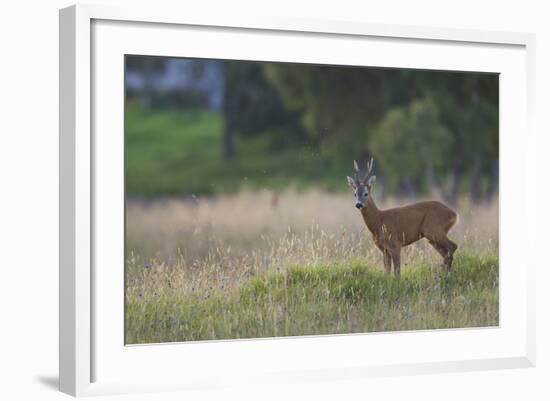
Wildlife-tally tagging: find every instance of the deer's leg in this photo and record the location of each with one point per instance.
(450, 247)
(396, 259)
(387, 261)
(440, 249)
(446, 249)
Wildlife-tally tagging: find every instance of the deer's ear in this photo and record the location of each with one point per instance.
(351, 182)
(371, 180)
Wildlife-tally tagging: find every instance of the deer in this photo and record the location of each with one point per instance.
(395, 228)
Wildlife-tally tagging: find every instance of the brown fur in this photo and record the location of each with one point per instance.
(395, 228)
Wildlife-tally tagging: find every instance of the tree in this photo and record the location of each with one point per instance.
(469, 108)
(252, 107)
(337, 104)
(341, 107)
(411, 144)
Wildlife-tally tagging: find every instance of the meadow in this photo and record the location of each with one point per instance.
(284, 263)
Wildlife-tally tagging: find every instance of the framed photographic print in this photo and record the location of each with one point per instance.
(267, 200)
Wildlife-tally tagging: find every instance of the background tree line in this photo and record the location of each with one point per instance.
(425, 129)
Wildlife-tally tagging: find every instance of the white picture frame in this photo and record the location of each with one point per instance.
(92, 357)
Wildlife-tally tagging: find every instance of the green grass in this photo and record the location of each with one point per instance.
(320, 299)
(173, 152)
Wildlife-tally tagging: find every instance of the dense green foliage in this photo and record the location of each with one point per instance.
(414, 141)
(418, 115)
(308, 300)
(424, 128)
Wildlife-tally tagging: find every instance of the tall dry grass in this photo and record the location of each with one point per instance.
(199, 242)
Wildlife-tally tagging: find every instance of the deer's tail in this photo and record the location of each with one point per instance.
(454, 220)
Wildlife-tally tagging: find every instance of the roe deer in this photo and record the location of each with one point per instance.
(393, 229)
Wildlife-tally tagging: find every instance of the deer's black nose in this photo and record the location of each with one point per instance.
(358, 205)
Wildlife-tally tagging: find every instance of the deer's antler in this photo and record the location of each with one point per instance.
(356, 172)
(370, 165)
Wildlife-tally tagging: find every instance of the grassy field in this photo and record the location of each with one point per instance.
(265, 264)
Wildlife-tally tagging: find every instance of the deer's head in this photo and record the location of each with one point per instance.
(362, 187)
